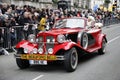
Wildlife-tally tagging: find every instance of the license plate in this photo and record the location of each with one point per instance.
(41, 62)
(38, 57)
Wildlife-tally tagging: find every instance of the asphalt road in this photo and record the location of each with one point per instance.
(90, 67)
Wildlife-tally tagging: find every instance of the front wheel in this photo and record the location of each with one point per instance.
(102, 49)
(71, 60)
(22, 63)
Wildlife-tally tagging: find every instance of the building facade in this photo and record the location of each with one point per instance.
(35, 3)
(94, 3)
(48, 3)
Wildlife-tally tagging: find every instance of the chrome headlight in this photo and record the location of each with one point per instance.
(39, 39)
(61, 38)
(40, 50)
(50, 51)
(53, 40)
(32, 38)
(25, 50)
(48, 40)
(34, 50)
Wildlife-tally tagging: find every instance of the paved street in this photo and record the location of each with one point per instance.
(90, 67)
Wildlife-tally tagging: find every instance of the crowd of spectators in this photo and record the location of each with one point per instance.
(11, 15)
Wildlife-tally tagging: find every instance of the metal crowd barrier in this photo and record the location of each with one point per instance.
(11, 36)
(110, 21)
(4, 39)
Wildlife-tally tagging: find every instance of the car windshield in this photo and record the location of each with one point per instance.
(70, 23)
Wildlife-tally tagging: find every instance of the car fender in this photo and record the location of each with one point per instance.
(26, 44)
(100, 39)
(65, 46)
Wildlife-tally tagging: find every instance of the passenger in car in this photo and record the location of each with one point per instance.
(90, 22)
(98, 25)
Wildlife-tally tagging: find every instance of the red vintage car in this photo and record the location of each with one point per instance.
(66, 41)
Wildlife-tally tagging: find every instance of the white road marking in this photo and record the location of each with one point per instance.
(38, 77)
(113, 39)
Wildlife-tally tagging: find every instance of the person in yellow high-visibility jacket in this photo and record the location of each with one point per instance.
(42, 24)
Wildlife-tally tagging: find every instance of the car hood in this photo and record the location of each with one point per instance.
(60, 31)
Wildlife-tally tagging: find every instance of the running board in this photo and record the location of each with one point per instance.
(90, 50)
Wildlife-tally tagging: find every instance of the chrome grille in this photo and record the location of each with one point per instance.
(40, 41)
(49, 44)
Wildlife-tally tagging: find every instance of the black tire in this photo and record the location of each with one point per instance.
(102, 50)
(22, 63)
(71, 60)
(83, 39)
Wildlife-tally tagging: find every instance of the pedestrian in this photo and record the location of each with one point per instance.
(42, 23)
(51, 20)
(24, 21)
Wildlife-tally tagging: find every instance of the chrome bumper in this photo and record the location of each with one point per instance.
(59, 57)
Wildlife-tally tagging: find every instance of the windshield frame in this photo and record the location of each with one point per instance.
(65, 21)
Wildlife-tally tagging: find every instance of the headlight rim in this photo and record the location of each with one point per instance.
(39, 50)
(49, 51)
(32, 38)
(35, 51)
(60, 38)
(25, 50)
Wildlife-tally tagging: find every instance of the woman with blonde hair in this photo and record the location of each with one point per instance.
(90, 22)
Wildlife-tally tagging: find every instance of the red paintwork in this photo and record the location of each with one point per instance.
(96, 33)
(98, 36)
(56, 32)
(26, 44)
(66, 46)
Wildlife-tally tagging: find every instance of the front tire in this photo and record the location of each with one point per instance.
(22, 63)
(102, 49)
(71, 60)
